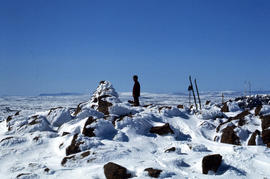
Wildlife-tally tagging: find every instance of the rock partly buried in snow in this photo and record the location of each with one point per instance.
(252, 140)
(211, 163)
(27, 176)
(115, 171)
(229, 136)
(258, 110)
(265, 121)
(266, 136)
(104, 97)
(87, 129)
(153, 172)
(59, 116)
(74, 147)
(172, 149)
(225, 108)
(162, 130)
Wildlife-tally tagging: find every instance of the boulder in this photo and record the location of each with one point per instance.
(229, 137)
(153, 172)
(115, 171)
(162, 130)
(265, 121)
(266, 136)
(211, 162)
(252, 140)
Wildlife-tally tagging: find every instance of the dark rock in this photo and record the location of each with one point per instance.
(23, 175)
(46, 170)
(147, 105)
(17, 113)
(7, 138)
(242, 115)
(78, 109)
(266, 136)
(65, 159)
(265, 121)
(74, 146)
(115, 171)
(207, 102)
(153, 172)
(164, 107)
(229, 137)
(252, 140)
(120, 118)
(225, 108)
(85, 154)
(88, 131)
(258, 110)
(211, 162)
(36, 138)
(65, 133)
(180, 106)
(9, 118)
(162, 130)
(170, 150)
(103, 106)
(53, 109)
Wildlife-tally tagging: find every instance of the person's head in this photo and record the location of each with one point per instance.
(135, 78)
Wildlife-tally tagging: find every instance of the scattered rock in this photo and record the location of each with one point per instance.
(265, 121)
(229, 137)
(85, 154)
(225, 108)
(180, 106)
(9, 118)
(207, 102)
(162, 130)
(211, 162)
(87, 130)
(46, 170)
(170, 150)
(252, 140)
(115, 171)
(153, 172)
(266, 136)
(164, 107)
(242, 115)
(36, 138)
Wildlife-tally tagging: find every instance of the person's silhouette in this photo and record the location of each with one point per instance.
(136, 90)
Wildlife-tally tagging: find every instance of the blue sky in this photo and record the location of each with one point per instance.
(69, 46)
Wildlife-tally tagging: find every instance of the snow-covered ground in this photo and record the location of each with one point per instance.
(75, 136)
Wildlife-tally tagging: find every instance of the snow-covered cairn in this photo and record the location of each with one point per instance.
(104, 97)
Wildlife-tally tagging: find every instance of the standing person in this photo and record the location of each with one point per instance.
(136, 90)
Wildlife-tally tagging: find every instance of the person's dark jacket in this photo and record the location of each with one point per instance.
(136, 89)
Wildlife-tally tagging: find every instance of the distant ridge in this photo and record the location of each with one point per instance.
(59, 94)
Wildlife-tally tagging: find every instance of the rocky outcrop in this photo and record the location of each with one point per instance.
(153, 172)
(172, 149)
(115, 171)
(211, 162)
(162, 130)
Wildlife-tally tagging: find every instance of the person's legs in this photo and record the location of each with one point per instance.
(136, 101)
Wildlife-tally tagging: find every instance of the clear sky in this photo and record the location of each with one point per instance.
(49, 46)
